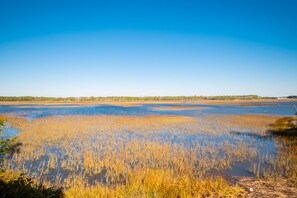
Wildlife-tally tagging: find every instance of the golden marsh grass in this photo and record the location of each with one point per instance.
(142, 156)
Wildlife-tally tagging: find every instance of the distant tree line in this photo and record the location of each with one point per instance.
(292, 97)
(128, 98)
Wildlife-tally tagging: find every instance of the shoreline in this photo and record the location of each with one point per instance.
(239, 102)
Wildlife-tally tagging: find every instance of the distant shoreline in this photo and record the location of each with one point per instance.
(239, 102)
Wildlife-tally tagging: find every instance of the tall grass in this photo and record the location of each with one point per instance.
(143, 156)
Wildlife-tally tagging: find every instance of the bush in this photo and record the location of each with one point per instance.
(14, 184)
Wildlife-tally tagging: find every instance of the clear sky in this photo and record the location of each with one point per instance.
(141, 48)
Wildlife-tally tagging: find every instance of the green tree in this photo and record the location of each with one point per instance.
(2, 141)
(7, 146)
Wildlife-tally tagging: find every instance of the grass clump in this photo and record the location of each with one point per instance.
(14, 184)
(285, 135)
(285, 126)
(160, 183)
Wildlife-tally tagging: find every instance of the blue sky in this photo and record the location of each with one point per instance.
(141, 48)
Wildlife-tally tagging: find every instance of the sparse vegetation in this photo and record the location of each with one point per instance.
(285, 132)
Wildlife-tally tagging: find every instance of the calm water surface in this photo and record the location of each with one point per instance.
(32, 111)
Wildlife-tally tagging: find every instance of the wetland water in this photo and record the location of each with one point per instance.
(78, 141)
(32, 111)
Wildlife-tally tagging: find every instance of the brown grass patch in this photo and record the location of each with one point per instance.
(254, 123)
(266, 188)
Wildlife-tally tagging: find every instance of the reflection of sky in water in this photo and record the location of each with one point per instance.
(262, 145)
(35, 111)
(9, 132)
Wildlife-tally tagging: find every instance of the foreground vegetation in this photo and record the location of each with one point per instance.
(122, 156)
(14, 184)
(150, 156)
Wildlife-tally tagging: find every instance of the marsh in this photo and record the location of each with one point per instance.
(113, 149)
